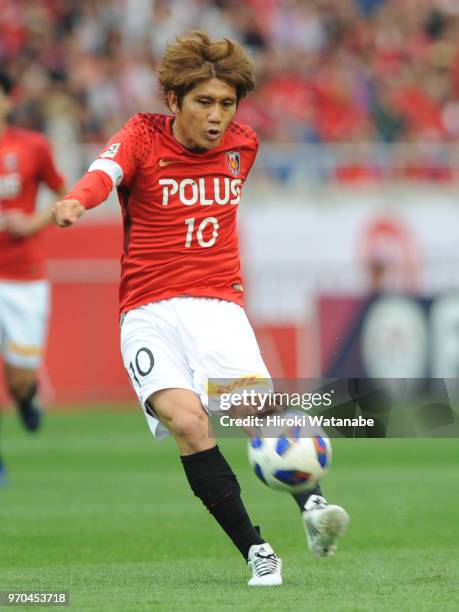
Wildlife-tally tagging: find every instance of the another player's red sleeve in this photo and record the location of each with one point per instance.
(92, 189)
(48, 172)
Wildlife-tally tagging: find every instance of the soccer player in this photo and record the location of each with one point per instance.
(25, 162)
(179, 180)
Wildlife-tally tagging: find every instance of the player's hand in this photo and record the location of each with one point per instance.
(18, 224)
(66, 212)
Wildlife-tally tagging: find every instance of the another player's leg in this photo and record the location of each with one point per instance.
(213, 481)
(2, 340)
(25, 307)
(2, 473)
(23, 388)
(2, 466)
(324, 523)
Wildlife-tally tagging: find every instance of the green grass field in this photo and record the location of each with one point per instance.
(95, 507)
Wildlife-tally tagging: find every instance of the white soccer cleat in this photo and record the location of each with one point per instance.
(324, 524)
(265, 565)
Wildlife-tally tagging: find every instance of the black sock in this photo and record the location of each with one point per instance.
(302, 498)
(214, 482)
(29, 407)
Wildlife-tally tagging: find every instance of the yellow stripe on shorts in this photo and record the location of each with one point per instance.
(24, 351)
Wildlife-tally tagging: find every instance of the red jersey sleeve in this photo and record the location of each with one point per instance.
(92, 189)
(256, 145)
(47, 171)
(125, 151)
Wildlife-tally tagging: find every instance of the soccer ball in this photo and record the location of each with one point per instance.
(291, 462)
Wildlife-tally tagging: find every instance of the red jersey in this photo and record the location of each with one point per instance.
(179, 210)
(25, 162)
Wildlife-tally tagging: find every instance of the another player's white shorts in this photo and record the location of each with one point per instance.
(24, 310)
(182, 342)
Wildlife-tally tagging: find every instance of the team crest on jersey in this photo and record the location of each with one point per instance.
(112, 150)
(233, 162)
(10, 161)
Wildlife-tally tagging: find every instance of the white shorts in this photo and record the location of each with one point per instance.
(24, 310)
(182, 342)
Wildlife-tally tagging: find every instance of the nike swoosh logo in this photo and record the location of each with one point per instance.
(163, 162)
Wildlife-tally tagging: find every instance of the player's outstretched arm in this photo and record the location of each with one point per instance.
(91, 190)
(66, 212)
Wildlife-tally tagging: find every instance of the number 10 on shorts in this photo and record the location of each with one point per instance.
(212, 221)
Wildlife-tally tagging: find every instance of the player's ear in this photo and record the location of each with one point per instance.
(172, 101)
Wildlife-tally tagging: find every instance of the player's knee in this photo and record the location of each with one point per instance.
(182, 413)
(21, 387)
(189, 425)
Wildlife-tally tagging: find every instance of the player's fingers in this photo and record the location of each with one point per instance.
(66, 212)
(75, 209)
(68, 219)
(63, 218)
(56, 213)
(78, 210)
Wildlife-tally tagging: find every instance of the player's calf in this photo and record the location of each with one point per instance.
(214, 482)
(209, 475)
(23, 389)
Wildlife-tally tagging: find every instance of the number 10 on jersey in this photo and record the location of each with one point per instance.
(212, 221)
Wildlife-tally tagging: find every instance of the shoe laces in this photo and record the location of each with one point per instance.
(263, 565)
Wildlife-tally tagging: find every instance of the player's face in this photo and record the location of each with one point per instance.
(205, 114)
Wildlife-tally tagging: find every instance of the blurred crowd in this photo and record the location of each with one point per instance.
(327, 70)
